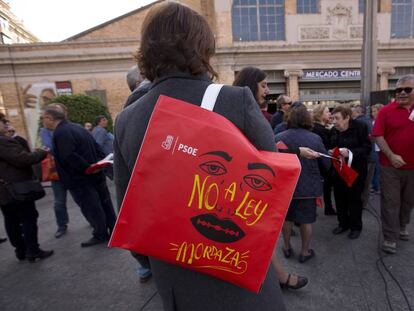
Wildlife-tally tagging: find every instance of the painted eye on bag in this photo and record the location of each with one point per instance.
(213, 168)
(257, 182)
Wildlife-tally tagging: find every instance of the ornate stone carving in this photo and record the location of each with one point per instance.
(314, 33)
(356, 32)
(339, 17)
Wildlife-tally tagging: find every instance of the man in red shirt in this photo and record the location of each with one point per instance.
(394, 133)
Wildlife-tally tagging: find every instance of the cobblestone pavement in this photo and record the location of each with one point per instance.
(343, 275)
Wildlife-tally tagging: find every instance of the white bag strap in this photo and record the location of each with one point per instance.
(210, 96)
(350, 156)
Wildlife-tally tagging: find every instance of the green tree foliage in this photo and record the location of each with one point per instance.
(83, 108)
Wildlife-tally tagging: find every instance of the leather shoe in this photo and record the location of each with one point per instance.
(301, 282)
(60, 232)
(40, 255)
(339, 230)
(91, 242)
(354, 234)
(304, 258)
(20, 254)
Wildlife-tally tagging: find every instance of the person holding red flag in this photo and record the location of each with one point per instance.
(351, 137)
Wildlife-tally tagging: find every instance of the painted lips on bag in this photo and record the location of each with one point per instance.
(216, 229)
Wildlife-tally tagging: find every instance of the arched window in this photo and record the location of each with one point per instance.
(258, 20)
(402, 19)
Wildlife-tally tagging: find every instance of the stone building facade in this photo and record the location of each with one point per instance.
(311, 50)
(12, 29)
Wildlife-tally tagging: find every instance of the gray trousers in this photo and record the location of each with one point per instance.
(397, 200)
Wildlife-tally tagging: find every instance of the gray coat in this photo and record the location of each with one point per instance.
(183, 289)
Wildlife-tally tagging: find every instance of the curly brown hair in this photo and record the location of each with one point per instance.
(175, 38)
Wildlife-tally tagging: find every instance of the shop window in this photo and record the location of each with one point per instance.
(402, 19)
(258, 20)
(307, 6)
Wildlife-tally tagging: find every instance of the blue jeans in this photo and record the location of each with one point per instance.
(144, 272)
(376, 178)
(61, 212)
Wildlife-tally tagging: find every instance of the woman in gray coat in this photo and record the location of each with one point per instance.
(175, 51)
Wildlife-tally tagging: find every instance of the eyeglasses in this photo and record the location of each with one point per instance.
(407, 90)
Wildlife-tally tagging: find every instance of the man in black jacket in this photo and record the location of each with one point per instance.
(75, 150)
(20, 218)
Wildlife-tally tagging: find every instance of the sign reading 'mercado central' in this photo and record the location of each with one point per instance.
(336, 74)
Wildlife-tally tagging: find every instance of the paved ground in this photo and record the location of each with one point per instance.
(343, 275)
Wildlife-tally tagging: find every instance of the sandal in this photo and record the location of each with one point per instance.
(304, 258)
(301, 282)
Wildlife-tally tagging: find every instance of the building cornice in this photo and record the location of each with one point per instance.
(312, 47)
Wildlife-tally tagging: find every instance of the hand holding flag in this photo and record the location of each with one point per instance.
(342, 167)
(98, 166)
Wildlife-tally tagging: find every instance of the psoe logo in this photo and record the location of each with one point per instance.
(166, 144)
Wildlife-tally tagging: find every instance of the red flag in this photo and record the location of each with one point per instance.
(281, 145)
(319, 202)
(346, 172)
(95, 167)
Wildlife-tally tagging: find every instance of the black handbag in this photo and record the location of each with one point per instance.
(20, 192)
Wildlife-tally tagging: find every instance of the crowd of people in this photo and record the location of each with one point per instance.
(74, 149)
(174, 60)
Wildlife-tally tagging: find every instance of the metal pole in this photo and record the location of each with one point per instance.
(369, 53)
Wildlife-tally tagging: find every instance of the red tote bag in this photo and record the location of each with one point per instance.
(49, 172)
(203, 197)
